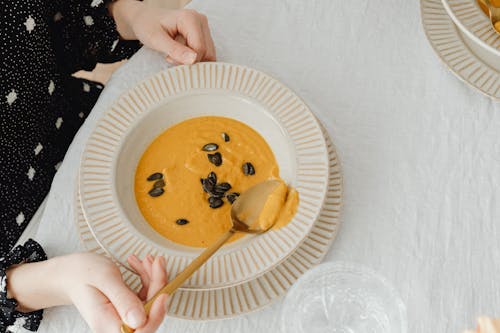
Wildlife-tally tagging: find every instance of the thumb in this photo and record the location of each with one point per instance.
(125, 301)
(175, 49)
(156, 315)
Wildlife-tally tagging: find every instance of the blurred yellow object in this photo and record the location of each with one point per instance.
(487, 325)
(495, 3)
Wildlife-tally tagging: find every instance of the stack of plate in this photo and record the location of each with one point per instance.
(462, 36)
(254, 270)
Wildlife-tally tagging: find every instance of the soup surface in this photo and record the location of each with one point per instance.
(189, 176)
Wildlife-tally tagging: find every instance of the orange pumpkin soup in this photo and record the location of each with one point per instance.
(189, 176)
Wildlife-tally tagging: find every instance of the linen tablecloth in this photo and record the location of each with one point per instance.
(420, 153)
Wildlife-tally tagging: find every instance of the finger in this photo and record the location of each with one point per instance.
(156, 315)
(162, 42)
(210, 55)
(180, 39)
(189, 25)
(158, 276)
(172, 61)
(147, 263)
(136, 264)
(143, 293)
(97, 311)
(126, 302)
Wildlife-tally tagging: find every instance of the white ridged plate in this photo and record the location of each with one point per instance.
(259, 292)
(474, 22)
(451, 47)
(254, 95)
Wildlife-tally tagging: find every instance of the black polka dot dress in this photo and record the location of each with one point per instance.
(42, 42)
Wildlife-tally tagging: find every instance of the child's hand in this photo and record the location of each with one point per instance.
(160, 30)
(95, 286)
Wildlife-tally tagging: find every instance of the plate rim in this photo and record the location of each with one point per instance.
(178, 70)
(477, 60)
(478, 39)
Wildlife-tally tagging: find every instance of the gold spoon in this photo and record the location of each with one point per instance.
(494, 13)
(248, 208)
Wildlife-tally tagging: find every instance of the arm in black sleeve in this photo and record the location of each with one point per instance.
(84, 33)
(12, 320)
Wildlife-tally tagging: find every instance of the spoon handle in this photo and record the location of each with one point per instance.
(172, 286)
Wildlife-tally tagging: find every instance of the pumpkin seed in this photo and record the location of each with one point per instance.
(223, 187)
(213, 177)
(219, 191)
(156, 192)
(155, 176)
(215, 202)
(225, 137)
(182, 221)
(210, 147)
(207, 185)
(248, 169)
(159, 184)
(215, 159)
(215, 194)
(231, 197)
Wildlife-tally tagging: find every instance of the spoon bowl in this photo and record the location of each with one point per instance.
(246, 210)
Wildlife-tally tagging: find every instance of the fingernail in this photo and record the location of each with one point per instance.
(189, 57)
(135, 318)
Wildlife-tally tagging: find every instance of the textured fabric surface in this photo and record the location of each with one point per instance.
(420, 153)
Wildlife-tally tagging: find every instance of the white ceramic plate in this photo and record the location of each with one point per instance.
(467, 61)
(259, 292)
(123, 133)
(469, 17)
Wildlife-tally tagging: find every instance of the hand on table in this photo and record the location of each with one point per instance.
(94, 285)
(182, 35)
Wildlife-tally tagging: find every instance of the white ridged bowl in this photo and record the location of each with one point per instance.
(127, 128)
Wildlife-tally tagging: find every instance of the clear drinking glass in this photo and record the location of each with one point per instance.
(343, 297)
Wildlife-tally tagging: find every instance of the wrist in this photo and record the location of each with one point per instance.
(124, 12)
(35, 285)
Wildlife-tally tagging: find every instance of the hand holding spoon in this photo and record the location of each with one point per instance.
(245, 214)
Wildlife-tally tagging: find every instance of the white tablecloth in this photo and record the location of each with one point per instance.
(420, 152)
